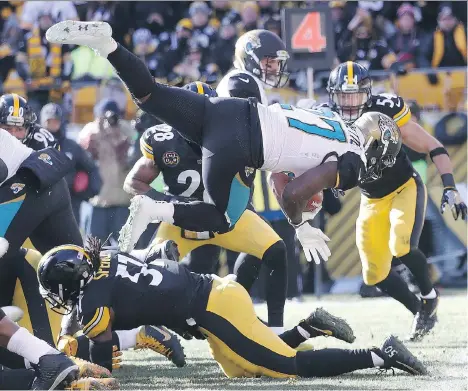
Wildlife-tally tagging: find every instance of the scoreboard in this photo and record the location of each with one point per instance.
(309, 37)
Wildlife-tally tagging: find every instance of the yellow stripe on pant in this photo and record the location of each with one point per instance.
(241, 344)
(38, 318)
(389, 227)
(250, 235)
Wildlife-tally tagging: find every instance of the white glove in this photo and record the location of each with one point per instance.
(313, 242)
(3, 246)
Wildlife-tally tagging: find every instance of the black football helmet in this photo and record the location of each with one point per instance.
(201, 88)
(143, 121)
(63, 272)
(15, 111)
(349, 90)
(382, 143)
(257, 45)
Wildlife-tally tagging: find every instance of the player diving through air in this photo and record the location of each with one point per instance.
(316, 146)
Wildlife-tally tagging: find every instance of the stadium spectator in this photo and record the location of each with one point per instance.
(11, 35)
(341, 14)
(273, 24)
(108, 139)
(152, 15)
(59, 10)
(45, 68)
(250, 17)
(223, 48)
(408, 41)
(145, 46)
(221, 9)
(84, 182)
(366, 46)
(447, 46)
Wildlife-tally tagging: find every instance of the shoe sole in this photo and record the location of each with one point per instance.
(125, 234)
(415, 366)
(69, 31)
(62, 377)
(339, 327)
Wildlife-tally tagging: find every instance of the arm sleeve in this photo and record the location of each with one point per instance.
(349, 168)
(95, 323)
(243, 86)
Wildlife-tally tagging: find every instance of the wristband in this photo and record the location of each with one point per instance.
(448, 181)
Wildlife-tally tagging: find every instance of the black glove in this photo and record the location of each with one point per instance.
(451, 197)
(433, 79)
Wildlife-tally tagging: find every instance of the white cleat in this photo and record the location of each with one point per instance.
(96, 35)
(143, 210)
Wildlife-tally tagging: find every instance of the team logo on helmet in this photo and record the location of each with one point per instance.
(45, 158)
(249, 171)
(17, 187)
(388, 129)
(253, 42)
(171, 158)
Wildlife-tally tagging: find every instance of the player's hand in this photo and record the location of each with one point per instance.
(68, 345)
(3, 246)
(314, 243)
(116, 357)
(451, 197)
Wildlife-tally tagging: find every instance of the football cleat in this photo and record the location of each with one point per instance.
(143, 210)
(54, 371)
(96, 35)
(425, 319)
(162, 341)
(396, 355)
(322, 323)
(88, 369)
(89, 383)
(165, 250)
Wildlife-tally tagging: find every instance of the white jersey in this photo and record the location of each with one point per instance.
(296, 140)
(242, 84)
(13, 152)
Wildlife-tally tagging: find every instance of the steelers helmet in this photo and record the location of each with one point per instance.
(349, 90)
(143, 121)
(382, 143)
(257, 45)
(15, 111)
(201, 88)
(63, 272)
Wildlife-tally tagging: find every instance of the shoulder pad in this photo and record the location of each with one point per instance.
(392, 105)
(243, 85)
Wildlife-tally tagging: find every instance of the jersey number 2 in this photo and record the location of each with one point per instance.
(122, 270)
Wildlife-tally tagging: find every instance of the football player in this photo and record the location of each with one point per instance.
(116, 290)
(236, 135)
(393, 200)
(18, 118)
(166, 152)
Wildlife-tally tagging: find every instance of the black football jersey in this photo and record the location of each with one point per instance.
(161, 292)
(179, 160)
(39, 138)
(395, 176)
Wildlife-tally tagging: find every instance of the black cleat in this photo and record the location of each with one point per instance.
(396, 355)
(424, 320)
(165, 250)
(162, 341)
(322, 323)
(54, 371)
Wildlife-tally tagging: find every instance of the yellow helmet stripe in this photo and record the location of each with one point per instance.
(350, 72)
(15, 105)
(67, 247)
(200, 88)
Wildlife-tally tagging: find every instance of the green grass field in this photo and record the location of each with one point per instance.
(444, 352)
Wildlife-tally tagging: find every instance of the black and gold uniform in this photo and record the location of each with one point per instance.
(180, 162)
(113, 289)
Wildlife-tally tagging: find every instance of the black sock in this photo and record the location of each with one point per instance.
(416, 262)
(247, 268)
(133, 72)
(83, 347)
(293, 338)
(277, 283)
(394, 286)
(10, 359)
(332, 362)
(16, 379)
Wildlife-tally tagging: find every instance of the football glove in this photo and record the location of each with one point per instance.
(68, 345)
(451, 197)
(313, 242)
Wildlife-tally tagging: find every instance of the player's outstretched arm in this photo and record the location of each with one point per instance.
(140, 176)
(415, 137)
(298, 192)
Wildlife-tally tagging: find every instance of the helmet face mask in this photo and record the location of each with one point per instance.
(350, 90)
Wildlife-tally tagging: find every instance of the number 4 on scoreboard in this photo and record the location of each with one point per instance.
(309, 34)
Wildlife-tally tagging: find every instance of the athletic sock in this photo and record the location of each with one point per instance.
(28, 346)
(293, 338)
(394, 286)
(416, 262)
(127, 338)
(332, 362)
(431, 295)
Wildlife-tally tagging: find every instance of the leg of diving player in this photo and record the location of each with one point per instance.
(200, 119)
(243, 346)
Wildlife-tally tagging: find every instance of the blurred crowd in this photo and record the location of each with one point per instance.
(184, 41)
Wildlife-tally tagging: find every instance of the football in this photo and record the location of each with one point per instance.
(281, 179)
